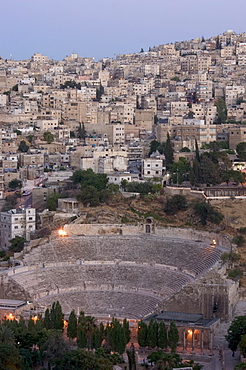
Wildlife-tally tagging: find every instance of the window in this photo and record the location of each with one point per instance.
(16, 227)
(30, 218)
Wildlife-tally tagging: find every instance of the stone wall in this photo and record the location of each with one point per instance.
(211, 296)
(10, 289)
(102, 229)
(165, 232)
(187, 192)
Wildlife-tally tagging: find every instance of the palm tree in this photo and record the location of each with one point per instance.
(89, 326)
(6, 335)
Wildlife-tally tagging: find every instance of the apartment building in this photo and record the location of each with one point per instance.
(237, 134)
(17, 222)
(153, 167)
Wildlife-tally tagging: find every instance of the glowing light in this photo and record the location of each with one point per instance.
(62, 232)
(10, 316)
(213, 243)
(35, 318)
(190, 332)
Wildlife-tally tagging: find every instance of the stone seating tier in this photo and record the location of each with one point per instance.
(150, 280)
(105, 304)
(192, 256)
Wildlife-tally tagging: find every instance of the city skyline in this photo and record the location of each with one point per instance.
(106, 29)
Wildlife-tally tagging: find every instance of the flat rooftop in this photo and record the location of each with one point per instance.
(11, 303)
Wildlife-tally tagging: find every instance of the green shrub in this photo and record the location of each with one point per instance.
(2, 254)
(206, 212)
(174, 204)
(238, 240)
(236, 273)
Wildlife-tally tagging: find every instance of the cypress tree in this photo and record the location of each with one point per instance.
(196, 172)
(81, 337)
(173, 336)
(152, 333)
(96, 339)
(162, 335)
(131, 358)
(168, 151)
(72, 325)
(197, 151)
(102, 330)
(142, 334)
(56, 316)
(47, 321)
(126, 330)
(116, 336)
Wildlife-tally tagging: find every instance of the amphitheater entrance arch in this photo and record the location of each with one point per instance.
(147, 229)
(149, 225)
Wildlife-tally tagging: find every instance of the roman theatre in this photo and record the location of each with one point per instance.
(125, 271)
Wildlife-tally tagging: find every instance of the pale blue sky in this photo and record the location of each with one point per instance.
(104, 28)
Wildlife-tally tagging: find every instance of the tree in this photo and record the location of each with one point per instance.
(156, 145)
(6, 335)
(15, 184)
(54, 347)
(236, 330)
(72, 325)
(242, 345)
(185, 149)
(190, 114)
(99, 93)
(96, 339)
(155, 119)
(168, 151)
(175, 203)
(81, 336)
(47, 321)
(81, 132)
(152, 336)
(127, 330)
(131, 358)
(162, 335)
(30, 138)
(197, 151)
(241, 151)
(49, 137)
(115, 336)
(17, 244)
(221, 110)
(23, 147)
(52, 201)
(173, 336)
(142, 333)
(89, 327)
(9, 357)
(206, 212)
(88, 177)
(180, 170)
(89, 196)
(240, 366)
(56, 316)
(81, 359)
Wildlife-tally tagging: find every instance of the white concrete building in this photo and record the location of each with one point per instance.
(153, 167)
(17, 222)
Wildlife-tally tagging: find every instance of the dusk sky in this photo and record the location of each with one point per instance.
(105, 28)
